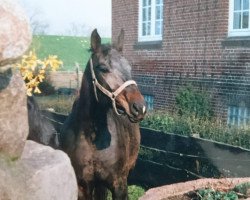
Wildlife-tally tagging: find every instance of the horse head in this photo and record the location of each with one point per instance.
(112, 80)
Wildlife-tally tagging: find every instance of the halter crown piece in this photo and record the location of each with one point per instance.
(111, 95)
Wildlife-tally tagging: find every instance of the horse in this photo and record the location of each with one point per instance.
(101, 134)
(41, 129)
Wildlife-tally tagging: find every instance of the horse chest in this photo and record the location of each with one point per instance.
(122, 150)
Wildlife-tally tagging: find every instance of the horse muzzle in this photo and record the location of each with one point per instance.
(137, 111)
(131, 103)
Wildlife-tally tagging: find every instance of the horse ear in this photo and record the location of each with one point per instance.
(95, 40)
(120, 41)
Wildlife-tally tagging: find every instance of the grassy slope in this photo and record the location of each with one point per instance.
(68, 49)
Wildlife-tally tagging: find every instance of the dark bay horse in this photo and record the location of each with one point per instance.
(41, 129)
(101, 135)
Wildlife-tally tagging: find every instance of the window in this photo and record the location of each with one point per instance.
(239, 18)
(150, 20)
(149, 99)
(238, 116)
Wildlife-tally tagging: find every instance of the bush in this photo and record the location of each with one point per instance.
(46, 88)
(190, 101)
(206, 128)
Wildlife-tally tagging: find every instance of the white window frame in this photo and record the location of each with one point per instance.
(152, 36)
(236, 32)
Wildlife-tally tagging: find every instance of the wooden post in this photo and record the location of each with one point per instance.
(77, 77)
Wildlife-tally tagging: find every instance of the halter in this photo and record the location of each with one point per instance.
(111, 95)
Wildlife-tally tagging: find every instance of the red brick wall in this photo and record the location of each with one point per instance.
(195, 49)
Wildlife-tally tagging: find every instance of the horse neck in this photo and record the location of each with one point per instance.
(88, 107)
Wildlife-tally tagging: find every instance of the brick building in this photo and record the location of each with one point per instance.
(171, 43)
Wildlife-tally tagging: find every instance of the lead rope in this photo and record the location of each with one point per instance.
(111, 95)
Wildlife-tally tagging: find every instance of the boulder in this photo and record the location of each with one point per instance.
(13, 114)
(41, 173)
(15, 33)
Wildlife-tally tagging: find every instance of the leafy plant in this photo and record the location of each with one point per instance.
(190, 101)
(212, 129)
(242, 189)
(210, 194)
(134, 192)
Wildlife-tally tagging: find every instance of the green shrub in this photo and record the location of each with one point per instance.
(242, 188)
(210, 194)
(46, 88)
(190, 101)
(206, 128)
(134, 192)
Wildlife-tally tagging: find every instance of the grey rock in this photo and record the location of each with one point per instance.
(13, 115)
(15, 33)
(41, 173)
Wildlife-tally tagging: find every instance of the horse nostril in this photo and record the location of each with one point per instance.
(138, 109)
(135, 109)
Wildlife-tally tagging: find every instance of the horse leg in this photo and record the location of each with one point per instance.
(85, 191)
(120, 190)
(100, 192)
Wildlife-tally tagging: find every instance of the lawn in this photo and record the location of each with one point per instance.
(68, 49)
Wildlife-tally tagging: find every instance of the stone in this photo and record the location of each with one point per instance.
(15, 32)
(41, 173)
(13, 114)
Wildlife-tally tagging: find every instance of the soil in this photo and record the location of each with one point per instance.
(179, 191)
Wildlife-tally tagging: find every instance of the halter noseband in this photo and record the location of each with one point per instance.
(111, 95)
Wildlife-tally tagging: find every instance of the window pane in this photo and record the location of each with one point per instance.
(149, 13)
(144, 14)
(237, 20)
(245, 19)
(159, 1)
(144, 29)
(158, 12)
(144, 3)
(148, 28)
(149, 2)
(158, 27)
(245, 4)
(237, 4)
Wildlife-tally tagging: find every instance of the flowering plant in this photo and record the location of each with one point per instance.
(33, 70)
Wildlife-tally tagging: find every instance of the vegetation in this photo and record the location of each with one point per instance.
(193, 102)
(60, 103)
(240, 191)
(134, 192)
(33, 70)
(194, 116)
(204, 128)
(69, 49)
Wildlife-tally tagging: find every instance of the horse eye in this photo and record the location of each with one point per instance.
(103, 68)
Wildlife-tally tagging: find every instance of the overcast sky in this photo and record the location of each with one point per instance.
(60, 15)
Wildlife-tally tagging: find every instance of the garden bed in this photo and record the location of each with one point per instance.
(184, 191)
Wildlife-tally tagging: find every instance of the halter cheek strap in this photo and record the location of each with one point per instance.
(111, 95)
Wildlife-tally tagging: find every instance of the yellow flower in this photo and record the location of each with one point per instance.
(29, 91)
(36, 90)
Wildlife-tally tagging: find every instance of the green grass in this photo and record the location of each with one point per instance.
(68, 49)
(134, 192)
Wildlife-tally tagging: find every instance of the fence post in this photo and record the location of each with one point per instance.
(77, 76)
